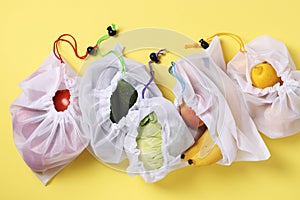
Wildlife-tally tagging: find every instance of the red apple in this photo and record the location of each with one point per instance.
(61, 100)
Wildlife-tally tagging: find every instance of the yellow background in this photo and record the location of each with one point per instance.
(27, 31)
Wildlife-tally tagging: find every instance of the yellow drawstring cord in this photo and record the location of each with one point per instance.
(208, 41)
(194, 45)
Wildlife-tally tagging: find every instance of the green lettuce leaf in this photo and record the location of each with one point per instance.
(149, 142)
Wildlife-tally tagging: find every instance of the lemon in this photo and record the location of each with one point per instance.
(264, 75)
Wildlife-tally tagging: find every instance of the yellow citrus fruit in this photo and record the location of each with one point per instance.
(264, 75)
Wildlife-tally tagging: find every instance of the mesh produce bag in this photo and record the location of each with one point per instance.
(157, 138)
(275, 107)
(47, 121)
(216, 100)
(110, 91)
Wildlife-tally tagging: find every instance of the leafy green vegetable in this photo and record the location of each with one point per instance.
(149, 142)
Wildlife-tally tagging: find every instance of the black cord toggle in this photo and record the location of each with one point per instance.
(204, 44)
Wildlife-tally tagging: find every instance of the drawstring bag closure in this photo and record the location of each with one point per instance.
(205, 43)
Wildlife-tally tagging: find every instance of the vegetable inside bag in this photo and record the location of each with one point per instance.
(274, 107)
(110, 92)
(47, 136)
(212, 95)
(157, 138)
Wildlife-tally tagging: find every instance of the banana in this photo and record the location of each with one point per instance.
(203, 152)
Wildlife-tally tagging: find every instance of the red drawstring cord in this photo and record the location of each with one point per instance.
(74, 47)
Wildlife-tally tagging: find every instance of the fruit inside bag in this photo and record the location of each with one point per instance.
(47, 126)
(157, 138)
(122, 99)
(49, 131)
(267, 75)
(203, 87)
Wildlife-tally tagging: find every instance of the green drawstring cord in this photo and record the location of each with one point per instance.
(106, 36)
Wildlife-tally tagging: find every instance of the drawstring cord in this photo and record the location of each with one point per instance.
(74, 47)
(172, 71)
(154, 58)
(112, 31)
(205, 43)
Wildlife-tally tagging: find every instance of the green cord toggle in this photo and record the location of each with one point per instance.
(110, 29)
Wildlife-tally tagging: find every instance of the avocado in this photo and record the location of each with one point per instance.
(122, 99)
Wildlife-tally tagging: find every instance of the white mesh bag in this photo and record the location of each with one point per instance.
(46, 138)
(219, 104)
(157, 139)
(108, 97)
(275, 110)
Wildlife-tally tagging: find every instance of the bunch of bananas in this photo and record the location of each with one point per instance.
(203, 152)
